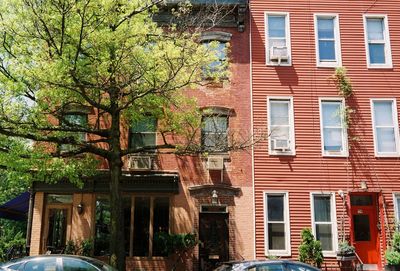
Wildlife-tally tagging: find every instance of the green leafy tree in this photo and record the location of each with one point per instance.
(310, 250)
(106, 57)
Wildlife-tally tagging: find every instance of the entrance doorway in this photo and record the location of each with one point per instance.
(57, 228)
(214, 239)
(364, 228)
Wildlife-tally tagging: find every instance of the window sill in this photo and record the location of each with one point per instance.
(282, 153)
(269, 64)
(380, 66)
(152, 258)
(335, 155)
(277, 253)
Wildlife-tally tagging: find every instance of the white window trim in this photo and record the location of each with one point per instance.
(388, 53)
(336, 31)
(327, 253)
(288, 41)
(287, 251)
(292, 139)
(395, 125)
(396, 208)
(345, 152)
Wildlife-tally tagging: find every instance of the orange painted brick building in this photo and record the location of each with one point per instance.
(211, 196)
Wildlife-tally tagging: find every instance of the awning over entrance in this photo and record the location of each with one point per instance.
(17, 208)
(143, 182)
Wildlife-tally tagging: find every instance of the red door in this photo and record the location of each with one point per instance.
(364, 224)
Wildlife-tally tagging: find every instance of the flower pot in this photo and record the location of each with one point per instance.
(347, 257)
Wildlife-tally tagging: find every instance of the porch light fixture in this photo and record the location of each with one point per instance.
(214, 197)
(80, 208)
(363, 185)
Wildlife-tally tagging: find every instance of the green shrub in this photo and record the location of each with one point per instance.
(310, 250)
(392, 254)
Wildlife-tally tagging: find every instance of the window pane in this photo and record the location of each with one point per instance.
(279, 113)
(280, 132)
(375, 28)
(141, 226)
(333, 139)
(331, 114)
(59, 198)
(76, 119)
(49, 264)
(327, 50)
(77, 265)
(325, 28)
(140, 140)
(275, 205)
(361, 200)
(161, 223)
(102, 228)
(376, 53)
(143, 133)
(322, 208)
(214, 132)
(218, 49)
(276, 26)
(386, 140)
(361, 228)
(270, 267)
(383, 113)
(276, 236)
(277, 42)
(324, 234)
(147, 124)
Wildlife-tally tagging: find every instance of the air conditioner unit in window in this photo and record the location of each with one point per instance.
(278, 54)
(215, 163)
(280, 144)
(142, 162)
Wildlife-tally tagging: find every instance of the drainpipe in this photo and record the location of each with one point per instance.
(30, 216)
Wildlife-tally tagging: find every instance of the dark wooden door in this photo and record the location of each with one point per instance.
(214, 239)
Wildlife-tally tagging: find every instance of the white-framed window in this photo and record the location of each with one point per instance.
(277, 228)
(323, 216)
(377, 41)
(396, 203)
(327, 40)
(277, 33)
(333, 127)
(385, 127)
(281, 137)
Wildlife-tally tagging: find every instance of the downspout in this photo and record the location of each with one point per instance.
(29, 226)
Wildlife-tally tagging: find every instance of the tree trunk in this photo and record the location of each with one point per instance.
(117, 248)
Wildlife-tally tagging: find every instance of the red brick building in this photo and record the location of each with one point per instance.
(331, 161)
(210, 196)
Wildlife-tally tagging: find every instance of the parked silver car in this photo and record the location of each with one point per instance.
(267, 265)
(56, 263)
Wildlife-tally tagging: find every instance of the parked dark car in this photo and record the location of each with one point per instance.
(267, 265)
(56, 263)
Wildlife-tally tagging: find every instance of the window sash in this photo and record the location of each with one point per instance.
(323, 224)
(333, 128)
(280, 123)
(143, 133)
(277, 34)
(377, 41)
(277, 241)
(214, 133)
(385, 134)
(327, 40)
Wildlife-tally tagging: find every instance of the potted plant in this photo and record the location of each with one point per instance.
(346, 251)
(392, 254)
